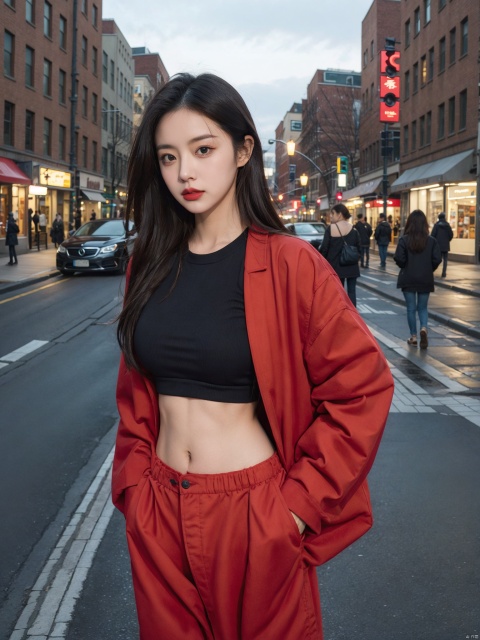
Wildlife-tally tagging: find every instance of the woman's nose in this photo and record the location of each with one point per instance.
(186, 170)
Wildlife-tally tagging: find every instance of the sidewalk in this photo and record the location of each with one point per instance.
(32, 267)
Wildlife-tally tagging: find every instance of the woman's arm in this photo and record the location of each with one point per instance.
(325, 243)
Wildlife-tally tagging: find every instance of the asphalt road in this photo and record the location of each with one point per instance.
(416, 575)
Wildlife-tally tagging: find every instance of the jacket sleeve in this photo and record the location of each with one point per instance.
(137, 429)
(400, 256)
(436, 255)
(325, 243)
(434, 231)
(351, 392)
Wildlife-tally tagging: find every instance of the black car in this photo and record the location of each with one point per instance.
(312, 232)
(98, 245)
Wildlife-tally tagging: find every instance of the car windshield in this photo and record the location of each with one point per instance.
(308, 229)
(110, 228)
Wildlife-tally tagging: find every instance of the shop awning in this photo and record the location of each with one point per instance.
(94, 196)
(449, 169)
(363, 189)
(9, 172)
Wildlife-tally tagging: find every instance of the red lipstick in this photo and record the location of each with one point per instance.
(192, 194)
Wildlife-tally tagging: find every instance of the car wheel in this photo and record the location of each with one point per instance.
(122, 267)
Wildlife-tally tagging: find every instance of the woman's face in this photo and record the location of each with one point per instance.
(335, 216)
(198, 161)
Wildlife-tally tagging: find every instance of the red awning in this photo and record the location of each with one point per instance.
(9, 172)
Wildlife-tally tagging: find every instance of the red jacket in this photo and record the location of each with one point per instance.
(325, 386)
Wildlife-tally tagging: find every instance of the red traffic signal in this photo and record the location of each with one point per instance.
(389, 83)
(389, 63)
(338, 196)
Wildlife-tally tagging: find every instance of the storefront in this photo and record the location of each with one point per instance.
(356, 199)
(13, 195)
(90, 196)
(444, 185)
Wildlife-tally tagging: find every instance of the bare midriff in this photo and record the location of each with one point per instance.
(201, 436)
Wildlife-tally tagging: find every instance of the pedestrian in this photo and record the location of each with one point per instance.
(365, 231)
(57, 232)
(93, 215)
(36, 221)
(77, 219)
(443, 233)
(252, 397)
(339, 232)
(383, 234)
(42, 221)
(11, 238)
(418, 255)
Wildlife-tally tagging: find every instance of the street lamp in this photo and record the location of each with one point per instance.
(291, 151)
(304, 179)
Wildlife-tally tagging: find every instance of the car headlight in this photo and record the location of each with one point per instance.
(109, 249)
(61, 249)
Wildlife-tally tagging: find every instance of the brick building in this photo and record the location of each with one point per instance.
(150, 75)
(287, 168)
(36, 106)
(440, 66)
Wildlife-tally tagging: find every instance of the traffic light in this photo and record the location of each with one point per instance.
(390, 82)
(339, 196)
(304, 199)
(390, 142)
(342, 164)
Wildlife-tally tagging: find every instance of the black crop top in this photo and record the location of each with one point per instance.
(193, 342)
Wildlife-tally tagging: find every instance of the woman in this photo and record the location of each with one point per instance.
(252, 398)
(339, 232)
(418, 255)
(57, 232)
(11, 238)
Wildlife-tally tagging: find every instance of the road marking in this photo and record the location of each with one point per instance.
(52, 599)
(23, 351)
(365, 309)
(383, 282)
(29, 293)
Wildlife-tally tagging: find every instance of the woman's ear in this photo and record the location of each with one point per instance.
(245, 151)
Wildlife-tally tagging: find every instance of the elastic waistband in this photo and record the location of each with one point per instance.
(215, 482)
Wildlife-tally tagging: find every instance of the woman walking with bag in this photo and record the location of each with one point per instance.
(418, 255)
(339, 233)
(11, 238)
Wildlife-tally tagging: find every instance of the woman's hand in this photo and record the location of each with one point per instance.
(300, 523)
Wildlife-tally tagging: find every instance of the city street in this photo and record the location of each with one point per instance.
(65, 567)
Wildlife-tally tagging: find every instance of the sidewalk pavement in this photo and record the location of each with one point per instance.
(458, 293)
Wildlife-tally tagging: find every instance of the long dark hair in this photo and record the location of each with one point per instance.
(417, 231)
(162, 224)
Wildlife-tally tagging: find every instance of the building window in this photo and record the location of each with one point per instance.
(442, 55)
(112, 74)
(95, 15)
(29, 67)
(9, 54)
(422, 131)
(62, 86)
(464, 37)
(441, 121)
(405, 139)
(47, 19)
(423, 70)
(372, 50)
(105, 67)
(104, 115)
(408, 33)
(94, 155)
(94, 60)
(8, 123)
(407, 85)
(365, 58)
(431, 64)
(428, 128)
(29, 130)
(463, 110)
(47, 78)
(84, 7)
(112, 119)
(416, 21)
(442, 4)
(104, 161)
(414, 135)
(415, 78)
(62, 142)
(63, 32)
(94, 107)
(84, 151)
(30, 11)
(427, 11)
(453, 45)
(84, 101)
(84, 51)
(10, 3)
(47, 137)
(451, 115)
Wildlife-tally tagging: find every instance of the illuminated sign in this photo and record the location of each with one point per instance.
(53, 178)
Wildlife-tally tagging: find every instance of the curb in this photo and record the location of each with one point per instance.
(20, 284)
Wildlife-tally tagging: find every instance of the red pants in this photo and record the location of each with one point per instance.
(219, 557)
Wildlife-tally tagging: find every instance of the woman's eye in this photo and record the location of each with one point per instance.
(203, 151)
(167, 158)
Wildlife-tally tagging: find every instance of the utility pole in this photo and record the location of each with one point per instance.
(73, 117)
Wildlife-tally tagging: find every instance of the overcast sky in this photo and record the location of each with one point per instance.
(267, 49)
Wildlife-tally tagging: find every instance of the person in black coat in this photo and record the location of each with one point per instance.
(443, 233)
(11, 238)
(383, 235)
(57, 232)
(340, 231)
(418, 255)
(365, 232)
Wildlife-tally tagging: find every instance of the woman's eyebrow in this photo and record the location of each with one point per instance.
(196, 139)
